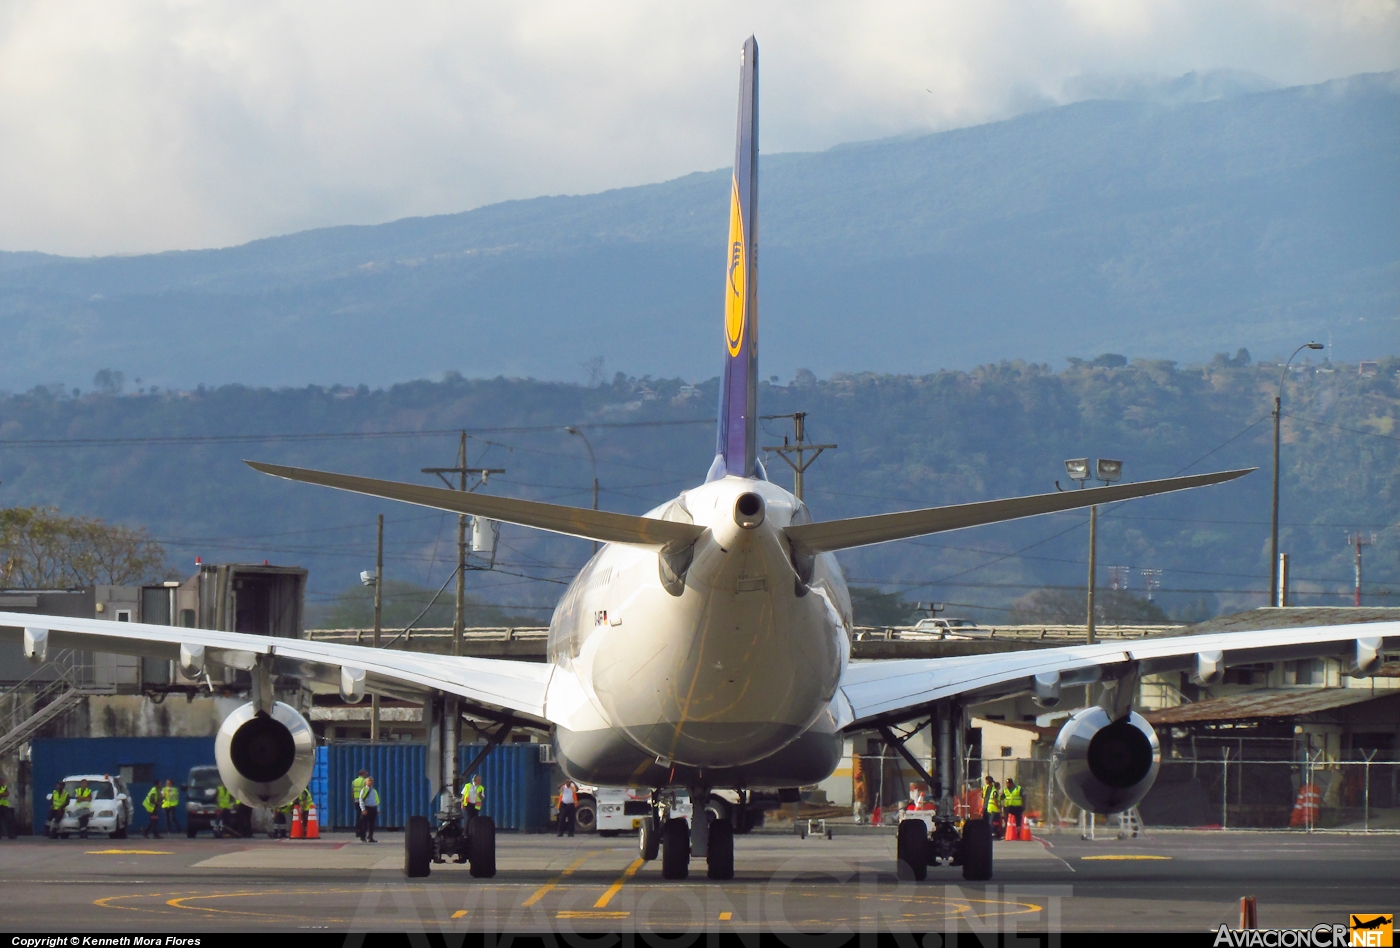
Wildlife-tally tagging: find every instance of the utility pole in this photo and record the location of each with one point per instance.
(1273, 518)
(1093, 563)
(799, 467)
(378, 621)
(461, 470)
(1359, 540)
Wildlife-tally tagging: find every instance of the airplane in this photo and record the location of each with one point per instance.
(705, 647)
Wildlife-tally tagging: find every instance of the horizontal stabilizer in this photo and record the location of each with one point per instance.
(881, 528)
(574, 521)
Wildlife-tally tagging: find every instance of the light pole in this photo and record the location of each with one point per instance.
(591, 460)
(1273, 534)
(1109, 472)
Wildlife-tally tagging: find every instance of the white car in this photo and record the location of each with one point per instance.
(111, 806)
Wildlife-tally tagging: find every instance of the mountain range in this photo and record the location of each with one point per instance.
(1161, 228)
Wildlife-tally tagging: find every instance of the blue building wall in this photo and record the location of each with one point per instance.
(170, 758)
(517, 783)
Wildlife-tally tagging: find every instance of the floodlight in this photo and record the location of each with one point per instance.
(1109, 471)
(1315, 345)
(1077, 469)
(367, 577)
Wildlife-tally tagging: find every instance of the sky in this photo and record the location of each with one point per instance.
(146, 125)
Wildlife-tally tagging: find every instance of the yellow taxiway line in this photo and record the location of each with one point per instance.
(616, 887)
(549, 886)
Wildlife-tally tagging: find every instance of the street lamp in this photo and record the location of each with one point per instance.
(592, 460)
(1273, 535)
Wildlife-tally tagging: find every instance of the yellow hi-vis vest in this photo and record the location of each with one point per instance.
(169, 797)
(60, 799)
(356, 786)
(1012, 796)
(473, 794)
(82, 798)
(4, 795)
(991, 799)
(225, 799)
(151, 800)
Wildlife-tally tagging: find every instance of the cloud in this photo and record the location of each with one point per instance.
(152, 125)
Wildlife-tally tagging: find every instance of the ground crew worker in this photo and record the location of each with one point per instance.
(280, 817)
(568, 804)
(82, 807)
(1011, 799)
(369, 808)
(169, 802)
(306, 803)
(7, 815)
(152, 805)
(989, 790)
(58, 803)
(356, 786)
(223, 823)
(473, 797)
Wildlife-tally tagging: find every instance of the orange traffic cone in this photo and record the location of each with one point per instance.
(313, 828)
(1025, 832)
(295, 829)
(1305, 808)
(1011, 830)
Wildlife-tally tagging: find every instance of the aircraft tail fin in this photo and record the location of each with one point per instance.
(736, 447)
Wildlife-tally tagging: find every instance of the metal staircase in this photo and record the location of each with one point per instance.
(51, 691)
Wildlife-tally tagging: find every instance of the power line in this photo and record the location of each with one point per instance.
(1326, 424)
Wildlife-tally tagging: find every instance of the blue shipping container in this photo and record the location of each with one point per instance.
(148, 759)
(517, 783)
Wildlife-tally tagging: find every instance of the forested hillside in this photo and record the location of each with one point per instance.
(170, 461)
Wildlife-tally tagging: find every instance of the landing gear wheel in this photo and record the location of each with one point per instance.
(417, 848)
(977, 851)
(649, 839)
(586, 818)
(481, 847)
(675, 849)
(719, 856)
(911, 849)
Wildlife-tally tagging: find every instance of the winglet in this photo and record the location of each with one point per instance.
(600, 525)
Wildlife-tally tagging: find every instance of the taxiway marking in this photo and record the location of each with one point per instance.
(616, 887)
(549, 886)
(1124, 857)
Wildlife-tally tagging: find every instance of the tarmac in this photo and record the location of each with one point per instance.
(1165, 881)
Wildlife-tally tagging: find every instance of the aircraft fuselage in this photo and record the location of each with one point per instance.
(718, 663)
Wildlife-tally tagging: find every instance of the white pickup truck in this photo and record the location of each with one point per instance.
(613, 810)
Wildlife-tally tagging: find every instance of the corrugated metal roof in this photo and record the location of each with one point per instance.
(1254, 705)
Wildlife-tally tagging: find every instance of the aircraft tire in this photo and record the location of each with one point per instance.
(719, 855)
(911, 848)
(977, 851)
(417, 848)
(648, 839)
(481, 847)
(675, 849)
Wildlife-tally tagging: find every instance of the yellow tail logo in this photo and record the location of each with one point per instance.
(736, 301)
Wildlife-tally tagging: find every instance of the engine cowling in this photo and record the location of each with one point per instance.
(265, 760)
(1106, 766)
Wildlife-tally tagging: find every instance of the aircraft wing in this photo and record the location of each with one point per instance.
(495, 687)
(889, 691)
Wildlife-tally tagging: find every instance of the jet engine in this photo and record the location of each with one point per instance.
(265, 759)
(1106, 766)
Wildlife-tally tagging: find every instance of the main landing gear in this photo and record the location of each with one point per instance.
(475, 844)
(675, 840)
(917, 848)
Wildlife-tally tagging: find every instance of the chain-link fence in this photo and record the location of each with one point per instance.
(1306, 795)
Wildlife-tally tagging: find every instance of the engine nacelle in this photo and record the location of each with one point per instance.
(265, 760)
(1106, 766)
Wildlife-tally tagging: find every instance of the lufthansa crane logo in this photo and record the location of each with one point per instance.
(736, 300)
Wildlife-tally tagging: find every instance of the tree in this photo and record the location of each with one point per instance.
(1067, 607)
(42, 549)
(872, 607)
